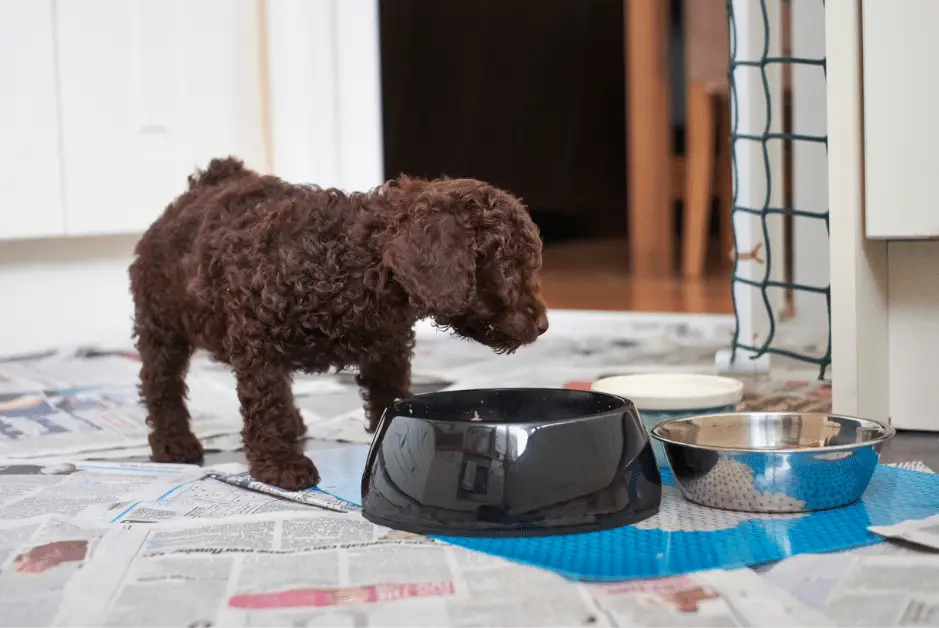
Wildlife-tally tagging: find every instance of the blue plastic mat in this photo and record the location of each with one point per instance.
(685, 537)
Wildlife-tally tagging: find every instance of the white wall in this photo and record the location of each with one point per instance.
(65, 291)
(108, 106)
(322, 71)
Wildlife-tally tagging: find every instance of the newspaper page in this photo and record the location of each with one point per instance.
(896, 586)
(40, 559)
(312, 497)
(30, 488)
(15, 380)
(331, 569)
(923, 532)
(206, 498)
(91, 405)
(326, 569)
(228, 490)
(737, 597)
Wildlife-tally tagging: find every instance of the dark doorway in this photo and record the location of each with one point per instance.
(529, 96)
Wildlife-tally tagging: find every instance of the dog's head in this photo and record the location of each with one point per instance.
(469, 256)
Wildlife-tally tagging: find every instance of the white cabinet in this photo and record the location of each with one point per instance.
(112, 103)
(30, 168)
(150, 89)
(884, 193)
(901, 128)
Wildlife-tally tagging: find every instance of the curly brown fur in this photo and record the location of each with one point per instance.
(274, 278)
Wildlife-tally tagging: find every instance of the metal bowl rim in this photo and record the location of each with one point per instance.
(889, 432)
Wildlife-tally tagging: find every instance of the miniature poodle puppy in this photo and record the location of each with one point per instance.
(274, 278)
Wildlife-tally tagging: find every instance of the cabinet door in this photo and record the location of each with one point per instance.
(150, 90)
(30, 165)
(901, 125)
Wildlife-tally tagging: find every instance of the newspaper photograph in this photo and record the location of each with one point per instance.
(86, 406)
(737, 597)
(40, 559)
(30, 488)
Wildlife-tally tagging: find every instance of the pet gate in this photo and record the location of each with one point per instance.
(777, 80)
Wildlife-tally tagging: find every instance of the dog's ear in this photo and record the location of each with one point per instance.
(433, 258)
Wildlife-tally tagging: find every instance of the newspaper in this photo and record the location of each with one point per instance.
(737, 597)
(923, 532)
(210, 498)
(30, 488)
(91, 405)
(886, 585)
(310, 497)
(331, 569)
(227, 489)
(40, 560)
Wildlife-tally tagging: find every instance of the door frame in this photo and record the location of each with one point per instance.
(859, 342)
(324, 105)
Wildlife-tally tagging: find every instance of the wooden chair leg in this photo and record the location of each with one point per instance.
(700, 136)
(649, 138)
(725, 183)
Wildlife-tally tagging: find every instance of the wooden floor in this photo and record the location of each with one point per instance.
(594, 275)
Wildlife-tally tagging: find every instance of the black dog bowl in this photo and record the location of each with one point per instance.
(510, 462)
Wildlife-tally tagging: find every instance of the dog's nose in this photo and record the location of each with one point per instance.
(542, 324)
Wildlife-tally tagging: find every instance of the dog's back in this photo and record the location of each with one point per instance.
(189, 230)
(237, 243)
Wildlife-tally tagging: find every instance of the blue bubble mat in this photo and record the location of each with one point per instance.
(685, 537)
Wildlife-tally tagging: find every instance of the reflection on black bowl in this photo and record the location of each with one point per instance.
(510, 462)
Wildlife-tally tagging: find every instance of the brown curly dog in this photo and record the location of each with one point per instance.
(274, 278)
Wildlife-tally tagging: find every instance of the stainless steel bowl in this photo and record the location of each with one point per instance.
(772, 462)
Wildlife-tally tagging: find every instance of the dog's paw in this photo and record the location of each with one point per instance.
(292, 474)
(175, 447)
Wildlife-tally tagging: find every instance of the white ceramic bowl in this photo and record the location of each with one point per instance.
(660, 397)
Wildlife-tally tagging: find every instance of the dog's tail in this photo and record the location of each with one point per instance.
(218, 170)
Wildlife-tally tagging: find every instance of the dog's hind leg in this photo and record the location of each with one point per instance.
(164, 359)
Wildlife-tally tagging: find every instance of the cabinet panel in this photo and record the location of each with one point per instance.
(913, 333)
(150, 90)
(30, 167)
(901, 128)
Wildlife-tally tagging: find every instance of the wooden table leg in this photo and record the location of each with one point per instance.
(649, 138)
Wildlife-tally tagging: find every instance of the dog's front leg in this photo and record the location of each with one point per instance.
(383, 377)
(272, 428)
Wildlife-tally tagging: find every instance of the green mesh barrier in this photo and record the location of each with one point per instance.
(766, 209)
